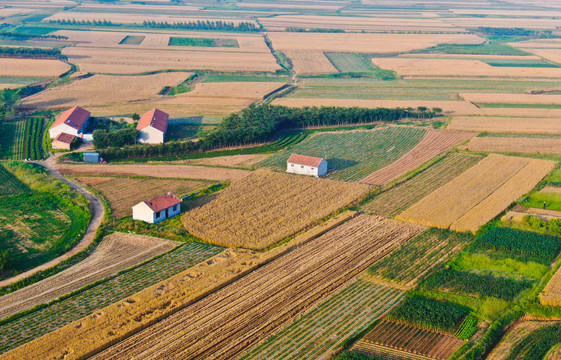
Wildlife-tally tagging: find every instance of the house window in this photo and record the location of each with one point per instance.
(158, 214)
(313, 168)
(302, 166)
(176, 207)
(292, 165)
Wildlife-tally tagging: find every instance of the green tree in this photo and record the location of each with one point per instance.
(135, 117)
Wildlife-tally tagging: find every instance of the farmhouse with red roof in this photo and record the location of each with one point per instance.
(306, 165)
(63, 141)
(152, 127)
(73, 122)
(157, 209)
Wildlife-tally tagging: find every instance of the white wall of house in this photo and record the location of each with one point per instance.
(142, 212)
(62, 128)
(321, 170)
(149, 135)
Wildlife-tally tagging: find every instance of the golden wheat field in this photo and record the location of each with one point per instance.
(479, 194)
(551, 295)
(234, 90)
(365, 43)
(500, 98)
(520, 112)
(102, 90)
(32, 67)
(506, 125)
(416, 67)
(505, 22)
(266, 207)
(515, 145)
(310, 62)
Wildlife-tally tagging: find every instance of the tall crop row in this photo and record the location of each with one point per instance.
(29, 136)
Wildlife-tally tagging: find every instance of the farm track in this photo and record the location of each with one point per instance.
(217, 326)
(433, 143)
(117, 252)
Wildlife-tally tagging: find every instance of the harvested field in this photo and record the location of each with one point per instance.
(321, 331)
(100, 90)
(515, 145)
(353, 155)
(365, 43)
(506, 125)
(520, 112)
(234, 160)
(310, 62)
(416, 67)
(551, 295)
(410, 339)
(479, 194)
(123, 193)
(434, 142)
(117, 252)
(505, 22)
(133, 61)
(397, 199)
(32, 67)
(522, 337)
(266, 207)
(40, 322)
(234, 90)
(498, 98)
(417, 257)
(551, 53)
(169, 171)
(448, 107)
(268, 297)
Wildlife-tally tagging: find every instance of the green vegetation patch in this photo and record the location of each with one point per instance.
(353, 155)
(430, 313)
(520, 63)
(180, 131)
(202, 42)
(10, 185)
(36, 30)
(487, 48)
(486, 264)
(132, 40)
(350, 63)
(537, 344)
(520, 245)
(476, 284)
(7, 137)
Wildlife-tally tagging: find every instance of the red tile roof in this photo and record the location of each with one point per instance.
(305, 160)
(75, 118)
(155, 118)
(64, 138)
(163, 202)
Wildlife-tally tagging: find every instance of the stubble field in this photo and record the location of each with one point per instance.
(517, 125)
(515, 145)
(32, 67)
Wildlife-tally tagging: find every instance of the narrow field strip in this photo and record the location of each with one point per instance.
(57, 315)
(506, 125)
(515, 145)
(323, 329)
(434, 143)
(117, 252)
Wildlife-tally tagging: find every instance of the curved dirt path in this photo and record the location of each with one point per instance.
(97, 215)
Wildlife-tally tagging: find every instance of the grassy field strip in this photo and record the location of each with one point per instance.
(323, 329)
(40, 322)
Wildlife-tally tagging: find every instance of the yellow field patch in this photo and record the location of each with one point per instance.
(310, 62)
(32, 67)
(234, 90)
(499, 98)
(515, 145)
(506, 125)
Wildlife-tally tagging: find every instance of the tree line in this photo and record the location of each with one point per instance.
(243, 26)
(257, 124)
(31, 52)
(103, 139)
(317, 30)
(23, 36)
(83, 22)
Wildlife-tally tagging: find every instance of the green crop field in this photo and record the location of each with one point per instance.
(203, 42)
(537, 344)
(132, 40)
(58, 314)
(520, 63)
(22, 139)
(353, 155)
(488, 48)
(7, 135)
(349, 62)
(10, 184)
(322, 330)
(397, 199)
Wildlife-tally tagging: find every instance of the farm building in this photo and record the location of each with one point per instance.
(72, 121)
(306, 165)
(152, 127)
(63, 141)
(157, 209)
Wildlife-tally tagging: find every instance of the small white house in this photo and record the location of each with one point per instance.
(306, 165)
(157, 209)
(152, 127)
(73, 122)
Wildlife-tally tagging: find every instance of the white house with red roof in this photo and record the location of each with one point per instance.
(306, 165)
(157, 209)
(73, 122)
(152, 127)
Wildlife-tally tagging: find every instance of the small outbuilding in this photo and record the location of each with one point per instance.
(73, 122)
(91, 157)
(157, 209)
(152, 127)
(63, 141)
(306, 165)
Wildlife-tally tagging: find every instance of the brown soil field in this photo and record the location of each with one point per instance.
(518, 332)
(449, 107)
(124, 18)
(266, 207)
(434, 143)
(415, 67)
(498, 98)
(167, 171)
(123, 193)
(410, 339)
(234, 160)
(268, 297)
(133, 61)
(478, 194)
(32, 67)
(234, 90)
(102, 90)
(310, 62)
(364, 43)
(506, 125)
(116, 252)
(5, 12)
(515, 145)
